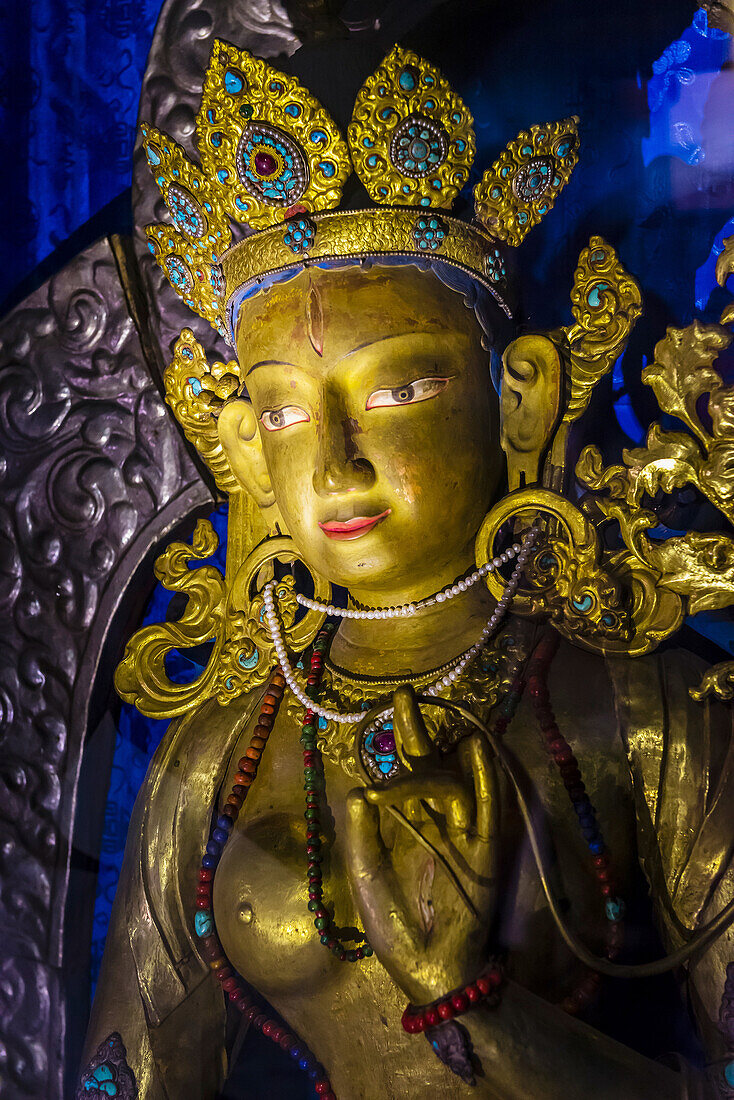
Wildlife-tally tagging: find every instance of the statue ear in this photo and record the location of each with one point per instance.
(530, 403)
(241, 443)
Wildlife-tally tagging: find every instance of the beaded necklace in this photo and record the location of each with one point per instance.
(314, 786)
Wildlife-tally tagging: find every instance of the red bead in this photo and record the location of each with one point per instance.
(601, 861)
(329, 1095)
(562, 756)
(223, 974)
(203, 903)
(460, 1001)
(228, 984)
(252, 753)
(445, 1010)
(251, 1012)
(286, 1041)
(235, 800)
(265, 164)
(359, 953)
(260, 1021)
(603, 874)
(267, 708)
(206, 874)
(266, 723)
(322, 1086)
(607, 889)
(262, 731)
(234, 995)
(244, 1004)
(495, 977)
(410, 1024)
(473, 993)
(258, 743)
(431, 1016)
(484, 985)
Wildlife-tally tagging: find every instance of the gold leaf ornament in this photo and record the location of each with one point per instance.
(265, 142)
(411, 136)
(526, 179)
(196, 392)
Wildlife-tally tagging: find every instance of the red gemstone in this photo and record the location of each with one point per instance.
(431, 1017)
(385, 742)
(460, 1001)
(445, 1010)
(265, 164)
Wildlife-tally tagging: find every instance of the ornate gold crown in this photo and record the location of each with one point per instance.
(273, 158)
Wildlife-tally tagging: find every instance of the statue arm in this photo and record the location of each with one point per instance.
(154, 991)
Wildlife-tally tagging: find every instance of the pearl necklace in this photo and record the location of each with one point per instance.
(447, 593)
(273, 626)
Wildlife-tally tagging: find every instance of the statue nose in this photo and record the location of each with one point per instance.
(340, 468)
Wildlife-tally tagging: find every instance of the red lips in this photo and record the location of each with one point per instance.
(351, 528)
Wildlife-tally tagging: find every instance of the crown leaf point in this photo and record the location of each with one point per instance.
(522, 185)
(411, 136)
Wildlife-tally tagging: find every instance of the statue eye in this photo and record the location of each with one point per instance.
(422, 389)
(274, 420)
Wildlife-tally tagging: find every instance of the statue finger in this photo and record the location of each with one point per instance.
(366, 852)
(477, 760)
(443, 792)
(411, 737)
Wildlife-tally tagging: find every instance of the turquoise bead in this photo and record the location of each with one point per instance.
(614, 909)
(203, 923)
(729, 1074)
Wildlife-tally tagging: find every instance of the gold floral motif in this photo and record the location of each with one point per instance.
(405, 103)
(243, 97)
(526, 179)
(196, 392)
(605, 302)
(695, 569)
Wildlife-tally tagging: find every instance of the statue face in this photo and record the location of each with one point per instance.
(377, 420)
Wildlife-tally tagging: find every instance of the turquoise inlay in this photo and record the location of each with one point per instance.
(563, 148)
(211, 115)
(293, 110)
(614, 909)
(161, 180)
(318, 137)
(233, 82)
(195, 385)
(430, 104)
(526, 151)
(407, 80)
(456, 117)
(327, 168)
(593, 296)
(729, 1074)
(151, 246)
(153, 157)
(216, 139)
(368, 143)
(250, 662)
(584, 604)
(222, 175)
(240, 204)
(203, 923)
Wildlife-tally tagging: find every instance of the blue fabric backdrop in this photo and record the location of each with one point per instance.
(70, 74)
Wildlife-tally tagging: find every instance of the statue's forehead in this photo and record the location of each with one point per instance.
(345, 308)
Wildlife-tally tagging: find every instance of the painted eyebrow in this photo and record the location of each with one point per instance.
(353, 351)
(269, 363)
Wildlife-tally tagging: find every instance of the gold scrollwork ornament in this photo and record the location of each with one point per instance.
(231, 617)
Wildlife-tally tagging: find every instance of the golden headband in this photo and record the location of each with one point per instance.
(273, 159)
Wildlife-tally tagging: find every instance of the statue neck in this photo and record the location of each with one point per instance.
(416, 643)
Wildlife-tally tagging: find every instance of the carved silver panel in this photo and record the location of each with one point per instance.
(94, 475)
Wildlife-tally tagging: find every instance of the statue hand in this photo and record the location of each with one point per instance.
(426, 907)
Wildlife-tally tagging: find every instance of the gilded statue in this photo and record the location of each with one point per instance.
(400, 817)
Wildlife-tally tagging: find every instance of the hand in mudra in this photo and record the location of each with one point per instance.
(427, 907)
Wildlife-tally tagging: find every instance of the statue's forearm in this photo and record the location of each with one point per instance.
(527, 1047)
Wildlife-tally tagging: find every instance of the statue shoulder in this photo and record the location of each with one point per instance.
(168, 832)
(681, 757)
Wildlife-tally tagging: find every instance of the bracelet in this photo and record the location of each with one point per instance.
(453, 1004)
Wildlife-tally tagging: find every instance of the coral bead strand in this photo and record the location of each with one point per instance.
(561, 753)
(211, 948)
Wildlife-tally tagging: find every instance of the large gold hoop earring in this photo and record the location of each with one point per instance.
(601, 601)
